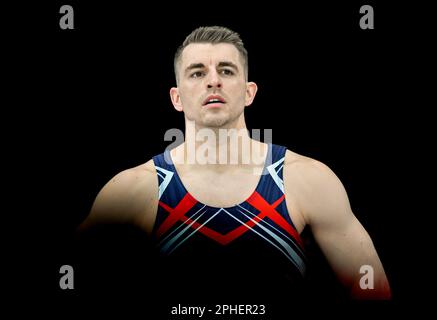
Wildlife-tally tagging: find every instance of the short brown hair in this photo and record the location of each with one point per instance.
(214, 35)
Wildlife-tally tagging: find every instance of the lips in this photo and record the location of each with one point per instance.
(214, 100)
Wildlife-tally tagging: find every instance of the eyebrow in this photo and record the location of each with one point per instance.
(194, 66)
(221, 64)
(228, 64)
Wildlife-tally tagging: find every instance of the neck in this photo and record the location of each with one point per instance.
(219, 148)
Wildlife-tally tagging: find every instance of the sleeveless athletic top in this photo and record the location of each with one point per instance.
(254, 243)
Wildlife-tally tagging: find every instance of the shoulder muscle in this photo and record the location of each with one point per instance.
(129, 197)
(318, 191)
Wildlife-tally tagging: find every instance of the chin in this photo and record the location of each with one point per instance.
(214, 122)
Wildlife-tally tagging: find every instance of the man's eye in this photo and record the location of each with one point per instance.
(227, 72)
(196, 74)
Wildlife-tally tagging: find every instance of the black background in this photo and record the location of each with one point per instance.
(94, 101)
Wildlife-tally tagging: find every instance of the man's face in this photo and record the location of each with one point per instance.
(212, 89)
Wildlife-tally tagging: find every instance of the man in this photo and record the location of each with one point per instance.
(191, 208)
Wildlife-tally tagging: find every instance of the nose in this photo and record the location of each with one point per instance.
(214, 80)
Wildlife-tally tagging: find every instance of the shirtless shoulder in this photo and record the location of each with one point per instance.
(131, 197)
(303, 179)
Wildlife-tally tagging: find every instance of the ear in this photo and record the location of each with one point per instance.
(251, 89)
(176, 99)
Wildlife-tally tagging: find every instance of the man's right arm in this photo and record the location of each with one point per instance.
(131, 197)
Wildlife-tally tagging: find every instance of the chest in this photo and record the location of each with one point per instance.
(220, 189)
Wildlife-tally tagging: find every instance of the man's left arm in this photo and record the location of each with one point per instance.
(341, 237)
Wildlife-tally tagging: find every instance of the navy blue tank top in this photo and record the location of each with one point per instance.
(253, 242)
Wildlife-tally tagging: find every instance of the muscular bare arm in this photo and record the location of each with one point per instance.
(323, 204)
(130, 197)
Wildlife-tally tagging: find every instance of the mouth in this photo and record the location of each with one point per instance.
(214, 101)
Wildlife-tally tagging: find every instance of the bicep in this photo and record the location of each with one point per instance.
(347, 246)
(342, 238)
(351, 254)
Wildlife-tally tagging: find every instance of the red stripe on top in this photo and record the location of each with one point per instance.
(257, 201)
(176, 214)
